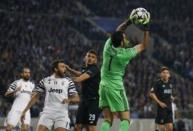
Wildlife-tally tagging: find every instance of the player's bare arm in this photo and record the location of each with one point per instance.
(141, 46)
(12, 93)
(154, 97)
(123, 26)
(72, 99)
(72, 71)
(82, 77)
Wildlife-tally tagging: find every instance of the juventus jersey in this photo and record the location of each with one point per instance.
(23, 96)
(57, 89)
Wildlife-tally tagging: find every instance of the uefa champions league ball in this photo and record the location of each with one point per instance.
(140, 16)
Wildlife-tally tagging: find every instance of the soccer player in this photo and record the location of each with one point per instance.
(115, 59)
(161, 93)
(22, 90)
(88, 111)
(60, 91)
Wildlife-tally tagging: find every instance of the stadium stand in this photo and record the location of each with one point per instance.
(36, 32)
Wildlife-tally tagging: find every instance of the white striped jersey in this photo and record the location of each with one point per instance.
(57, 89)
(24, 95)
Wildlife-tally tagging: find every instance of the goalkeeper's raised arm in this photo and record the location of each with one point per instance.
(137, 17)
(141, 46)
(123, 26)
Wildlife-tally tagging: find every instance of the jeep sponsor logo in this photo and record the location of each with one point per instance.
(55, 90)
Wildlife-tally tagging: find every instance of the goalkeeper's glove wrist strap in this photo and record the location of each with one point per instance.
(145, 27)
(128, 22)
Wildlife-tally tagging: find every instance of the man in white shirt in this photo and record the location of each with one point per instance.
(22, 90)
(60, 91)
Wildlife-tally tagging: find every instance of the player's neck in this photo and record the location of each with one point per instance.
(165, 80)
(24, 79)
(86, 64)
(57, 76)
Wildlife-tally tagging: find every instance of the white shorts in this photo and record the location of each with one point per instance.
(55, 121)
(14, 116)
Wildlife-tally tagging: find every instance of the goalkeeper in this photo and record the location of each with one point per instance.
(113, 98)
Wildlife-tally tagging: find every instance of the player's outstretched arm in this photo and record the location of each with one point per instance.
(123, 26)
(11, 93)
(72, 71)
(82, 77)
(72, 99)
(34, 98)
(141, 46)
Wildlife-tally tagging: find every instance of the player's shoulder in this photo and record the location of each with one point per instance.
(108, 41)
(108, 44)
(93, 66)
(93, 69)
(45, 79)
(157, 82)
(68, 79)
(171, 82)
(16, 81)
(32, 82)
(48, 77)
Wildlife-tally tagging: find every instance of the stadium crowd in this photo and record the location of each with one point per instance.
(171, 20)
(69, 7)
(37, 39)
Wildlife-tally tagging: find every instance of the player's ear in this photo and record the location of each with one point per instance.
(55, 69)
(96, 60)
(169, 75)
(84, 59)
(21, 74)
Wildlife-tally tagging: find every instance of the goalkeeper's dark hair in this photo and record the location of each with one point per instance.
(117, 38)
(55, 63)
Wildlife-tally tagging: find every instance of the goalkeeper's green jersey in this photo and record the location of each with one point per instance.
(114, 63)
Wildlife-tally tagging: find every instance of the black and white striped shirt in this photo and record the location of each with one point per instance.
(57, 89)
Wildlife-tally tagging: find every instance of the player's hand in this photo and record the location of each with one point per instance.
(67, 66)
(162, 105)
(65, 101)
(132, 17)
(147, 20)
(22, 117)
(18, 88)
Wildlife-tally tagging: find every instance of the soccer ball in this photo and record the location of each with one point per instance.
(140, 16)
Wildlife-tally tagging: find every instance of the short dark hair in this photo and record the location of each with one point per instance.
(24, 67)
(116, 38)
(92, 52)
(164, 68)
(55, 63)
